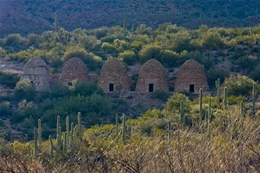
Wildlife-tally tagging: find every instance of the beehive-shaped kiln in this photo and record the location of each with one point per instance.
(37, 71)
(113, 76)
(191, 77)
(74, 69)
(152, 77)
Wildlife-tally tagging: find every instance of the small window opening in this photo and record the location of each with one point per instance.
(191, 88)
(111, 87)
(150, 87)
(70, 83)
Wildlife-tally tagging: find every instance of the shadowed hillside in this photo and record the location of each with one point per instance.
(26, 16)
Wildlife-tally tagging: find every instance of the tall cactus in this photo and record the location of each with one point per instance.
(169, 132)
(123, 130)
(80, 127)
(217, 83)
(35, 150)
(225, 98)
(241, 108)
(182, 112)
(206, 119)
(116, 128)
(209, 110)
(253, 97)
(201, 113)
(39, 133)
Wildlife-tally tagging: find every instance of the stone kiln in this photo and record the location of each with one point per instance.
(191, 77)
(74, 69)
(37, 71)
(113, 76)
(152, 77)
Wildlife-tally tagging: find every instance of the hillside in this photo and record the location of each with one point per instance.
(26, 16)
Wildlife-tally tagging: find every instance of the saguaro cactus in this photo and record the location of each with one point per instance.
(241, 107)
(253, 97)
(169, 132)
(182, 112)
(201, 113)
(209, 110)
(35, 149)
(225, 98)
(217, 83)
(116, 128)
(79, 127)
(39, 133)
(123, 130)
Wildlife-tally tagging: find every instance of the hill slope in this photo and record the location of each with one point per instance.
(26, 16)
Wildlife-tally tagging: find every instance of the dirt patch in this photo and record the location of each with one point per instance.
(12, 66)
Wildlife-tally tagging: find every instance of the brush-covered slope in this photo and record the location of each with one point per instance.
(26, 16)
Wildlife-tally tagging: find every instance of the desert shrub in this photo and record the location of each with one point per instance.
(100, 32)
(236, 99)
(25, 110)
(24, 90)
(248, 62)
(212, 40)
(238, 85)
(2, 52)
(180, 41)
(255, 75)
(15, 43)
(214, 74)
(161, 95)
(8, 79)
(88, 42)
(144, 30)
(148, 52)
(34, 40)
(172, 105)
(5, 108)
(128, 57)
(109, 48)
(87, 88)
(91, 59)
(170, 58)
(23, 56)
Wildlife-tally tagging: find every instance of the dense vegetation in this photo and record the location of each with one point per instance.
(225, 139)
(169, 44)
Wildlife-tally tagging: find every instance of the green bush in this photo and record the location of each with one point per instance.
(87, 88)
(24, 90)
(25, 110)
(212, 40)
(172, 105)
(214, 74)
(2, 52)
(91, 59)
(15, 43)
(161, 95)
(8, 79)
(239, 85)
(5, 108)
(148, 52)
(128, 57)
